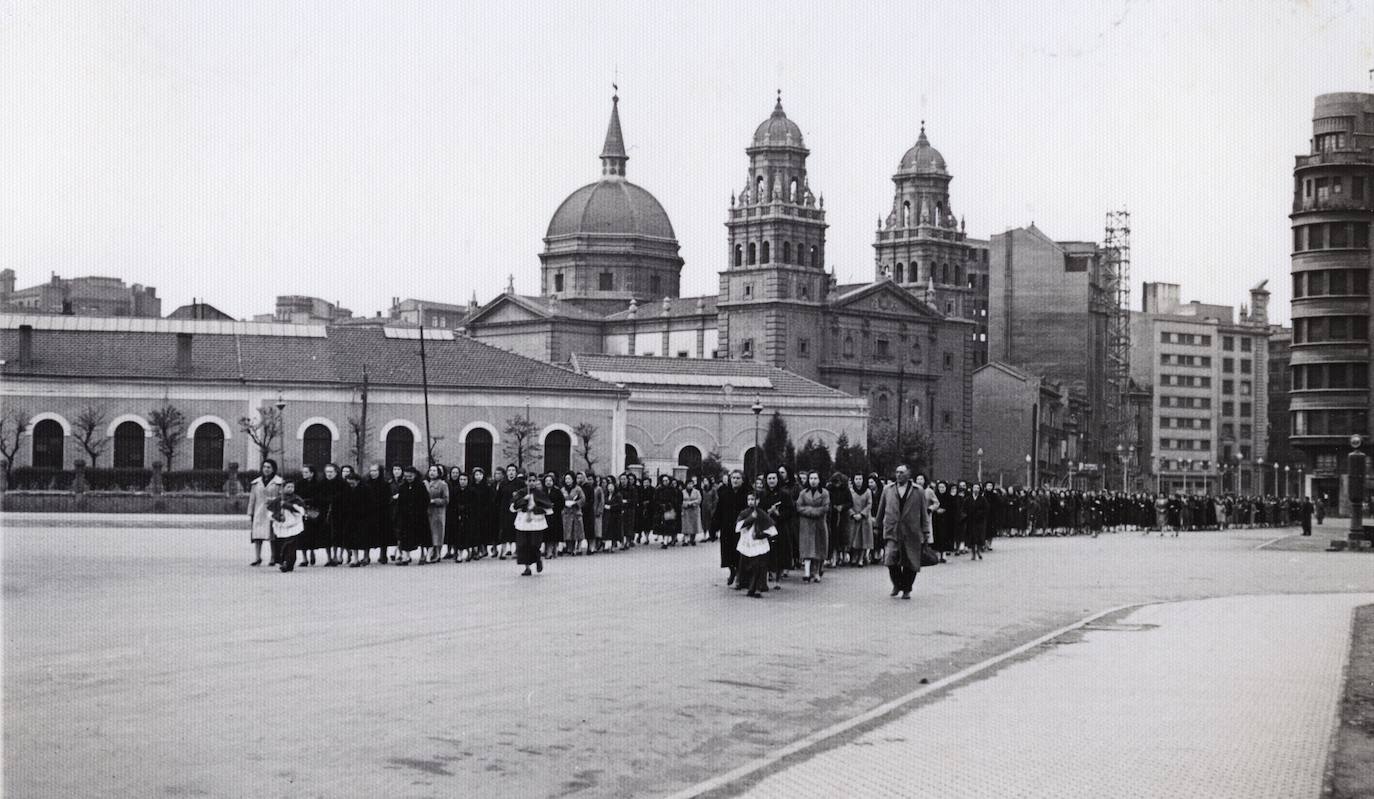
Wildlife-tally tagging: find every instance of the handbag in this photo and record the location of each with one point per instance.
(669, 515)
(929, 557)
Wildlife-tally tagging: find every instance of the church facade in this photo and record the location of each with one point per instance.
(907, 342)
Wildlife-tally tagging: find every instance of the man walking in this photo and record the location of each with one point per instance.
(905, 526)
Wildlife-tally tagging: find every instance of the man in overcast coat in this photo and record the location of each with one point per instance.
(905, 525)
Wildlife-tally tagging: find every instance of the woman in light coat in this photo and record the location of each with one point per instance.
(813, 505)
(265, 488)
(859, 520)
(574, 526)
(691, 511)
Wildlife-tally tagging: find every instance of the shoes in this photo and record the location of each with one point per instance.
(906, 595)
(538, 566)
(526, 572)
(285, 569)
(257, 562)
(894, 592)
(355, 564)
(754, 595)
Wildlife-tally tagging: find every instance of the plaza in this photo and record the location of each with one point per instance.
(151, 660)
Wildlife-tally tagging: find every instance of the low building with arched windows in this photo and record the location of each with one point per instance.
(103, 379)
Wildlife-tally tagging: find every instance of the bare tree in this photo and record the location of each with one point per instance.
(12, 427)
(586, 431)
(169, 428)
(520, 441)
(86, 430)
(357, 448)
(262, 430)
(434, 449)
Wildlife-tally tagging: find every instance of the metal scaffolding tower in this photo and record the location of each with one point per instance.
(1116, 278)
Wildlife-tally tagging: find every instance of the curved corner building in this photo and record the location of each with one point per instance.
(1333, 206)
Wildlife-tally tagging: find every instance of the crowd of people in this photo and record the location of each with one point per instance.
(779, 524)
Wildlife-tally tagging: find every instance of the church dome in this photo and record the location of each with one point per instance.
(777, 130)
(612, 206)
(922, 158)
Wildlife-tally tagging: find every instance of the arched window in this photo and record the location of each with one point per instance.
(800, 254)
(764, 255)
(906, 213)
(207, 448)
(958, 275)
(944, 273)
(691, 458)
(792, 192)
(758, 189)
(752, 464)
(880, 409)
(477, 450)
(901, 272)
(557, 452)
(787, 252)
(400, 447)
(317, 448)
(128, 446)
(48, 441)
(848, 346)
(815, 255)
(655, 285)
(631, 455)
(739, 255)
(752, 256)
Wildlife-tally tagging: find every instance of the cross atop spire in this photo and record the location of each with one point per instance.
(613, 155)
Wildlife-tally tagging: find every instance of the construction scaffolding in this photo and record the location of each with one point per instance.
(1116, 279)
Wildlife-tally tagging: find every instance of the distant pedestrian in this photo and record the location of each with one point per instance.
(288, 522)
(691, 511)
(904, 530)
(1306, 510)
(813, 508)
(530, 508)
(437, 487)
(754, 529)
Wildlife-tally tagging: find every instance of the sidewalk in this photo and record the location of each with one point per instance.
(1231, 697)
(132, 521)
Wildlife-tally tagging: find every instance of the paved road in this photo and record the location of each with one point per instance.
(1230, 697)
(155, 662)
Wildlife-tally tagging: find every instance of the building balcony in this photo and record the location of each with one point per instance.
(1335, 202)
(920, 232)
(1350, 156)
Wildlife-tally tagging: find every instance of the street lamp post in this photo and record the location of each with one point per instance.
(980, 464)
(1029, 487)
(1187, 467)
(1073, 472)
(1284, 493)
(1302, 486)
(281, 424)
(1259, 472)
(757, 408)
(1240, 464)
(1277, 490)
(1121, 458)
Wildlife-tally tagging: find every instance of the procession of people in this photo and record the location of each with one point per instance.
(780, 524)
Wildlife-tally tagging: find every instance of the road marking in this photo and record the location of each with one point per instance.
(758, 764)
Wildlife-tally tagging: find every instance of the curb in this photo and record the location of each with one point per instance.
(817, 738)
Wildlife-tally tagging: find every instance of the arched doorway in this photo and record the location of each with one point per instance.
(557, 452)
(317, 446)
(48, 441)
(128, 446)
(752, 464)
(207, 447)
(477, 450)
(690, 457)
(631, 455)
(400, 447)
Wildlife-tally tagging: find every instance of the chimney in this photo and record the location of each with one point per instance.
(26, 345)
(183, 352)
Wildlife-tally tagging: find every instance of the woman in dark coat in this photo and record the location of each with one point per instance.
(840, 501)
(308, 489)
(553, 534)
(789, 532)
(629, 513)
(331, 486)
(453, 518)
(479, 525)
(513, 482)
(353, 508)
(667, 511)
(731, 500)
(939, 521)
(976, 524)
(379, 506)
(612, 511)
(778, 501)
(412, 515)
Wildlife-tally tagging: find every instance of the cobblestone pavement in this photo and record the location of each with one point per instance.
(1232, 697)
(156, 662)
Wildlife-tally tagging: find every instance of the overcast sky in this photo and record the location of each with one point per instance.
(236, 151)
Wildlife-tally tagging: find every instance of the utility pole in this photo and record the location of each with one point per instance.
(362, 430)
(424, 381)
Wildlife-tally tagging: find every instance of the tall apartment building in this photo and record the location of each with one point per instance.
(80, 296)
(1207, 369)
(1333, 206)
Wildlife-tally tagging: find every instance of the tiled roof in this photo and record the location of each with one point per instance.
(701, 374)
(338, 357)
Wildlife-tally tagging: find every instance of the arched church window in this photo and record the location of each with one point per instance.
(906, 213)
(944, 273)
(752, 257)
(901, 272)
(787, 252)
(764, 255)
(880, 409)
(739, 255)
(758, 190)
(792, 192)
(801, 254)
(958, 274)
(848, 346)
(815, 255)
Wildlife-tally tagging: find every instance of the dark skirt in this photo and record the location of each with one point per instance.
(527, 546)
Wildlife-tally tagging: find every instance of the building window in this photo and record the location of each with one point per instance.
(1228, 343)
(803, 347)
(1228, 365)
(752, 250)
(604, 281)
(1245, 366)
(1339, 239)
(805, 288)
(1246, 409)
(881, 348)
(400, 447)
(880, 407)
(1246, 344)
(48, 440)
(746, 348)
(631, 455)
(477, 450)
(748, 291)
(739, 255)
(207, 448)
(848, 346)
(1357, 187)
(317, 447)
(815, 256)
(949, 362)
(558, 282)
(765, 253)
(947, 420)
(1228, 386)
(787, 252)
(557, 452)
(1228, 408)
(128, 446)
(1361, 240)
(655, 285)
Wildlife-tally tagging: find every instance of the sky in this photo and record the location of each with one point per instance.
(358, 152)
